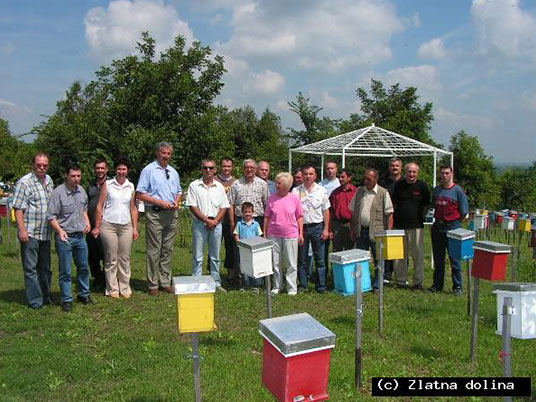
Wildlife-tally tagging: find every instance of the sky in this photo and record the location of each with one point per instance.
(475, 61)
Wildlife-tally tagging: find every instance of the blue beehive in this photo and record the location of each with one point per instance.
(344, 264)
(461, 243)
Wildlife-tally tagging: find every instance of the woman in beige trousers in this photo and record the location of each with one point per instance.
(116, 220)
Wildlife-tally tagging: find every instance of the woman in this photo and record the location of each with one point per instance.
(116, 220)
(283, 223)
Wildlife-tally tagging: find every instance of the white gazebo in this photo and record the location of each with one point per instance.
(371, 141)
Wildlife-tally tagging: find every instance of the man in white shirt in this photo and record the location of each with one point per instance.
(263, 171)
(208, 204)
(331, 182)
(315, 204)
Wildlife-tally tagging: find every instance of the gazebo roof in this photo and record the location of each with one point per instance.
(370, 141)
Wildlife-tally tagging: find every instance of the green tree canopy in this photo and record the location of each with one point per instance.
(15, 155)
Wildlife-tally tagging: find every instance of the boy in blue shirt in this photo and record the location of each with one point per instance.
(246, 228)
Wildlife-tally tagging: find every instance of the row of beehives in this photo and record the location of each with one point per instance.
(506, 219)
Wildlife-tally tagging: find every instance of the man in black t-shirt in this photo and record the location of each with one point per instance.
(411, 200)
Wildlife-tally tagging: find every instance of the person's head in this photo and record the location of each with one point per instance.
(446, 176)
(345, 177)
(226, 165)
(73, 175)
(298, 177)
(121, 167)
(370, 178)
(163, 153)
(40, 164)
(247, 211)
(248, 169)
(263, 170)
(100, 167)
(412, 172)
(395, 167)
(309, 175)
(208, 169)
(331, 170)
(283, 182)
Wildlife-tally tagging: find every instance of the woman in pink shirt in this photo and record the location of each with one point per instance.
(283, 223)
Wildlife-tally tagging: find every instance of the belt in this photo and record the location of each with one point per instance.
(443, 222)
(75, 233)
(313, 224)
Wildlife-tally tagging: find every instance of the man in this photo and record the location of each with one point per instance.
(225, 177)
(331, 182)
(160, 189)
(208, 204)
(372, 211)
(395, 174)
(252, 189)
(263, 171)
(94, 245)
(30, 202)
(340, 214)
(451, 207)
(315, 204)
(297, 178)
(67, 215)
(411, 200)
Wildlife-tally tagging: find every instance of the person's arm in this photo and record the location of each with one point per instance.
(146, 198)
(219, 217)
(353, 219)
(177, 205)
(87, 228)
(266, 223)
(22, 234)
(134, 218)
(325, 232)
(231, 213)
(300, 230)
(98, 210)
(390, 222)
(62, 234)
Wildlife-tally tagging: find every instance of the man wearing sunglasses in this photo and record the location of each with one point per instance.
(208, 204)
(160, 190)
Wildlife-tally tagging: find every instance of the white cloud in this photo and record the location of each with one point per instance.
(433, 49)
(502, 28)
(17, 115)
(469, 122)
(266, 82)
(6, 104)
(424, 77)
(113, 32)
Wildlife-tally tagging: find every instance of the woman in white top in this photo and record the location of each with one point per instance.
(116, 220)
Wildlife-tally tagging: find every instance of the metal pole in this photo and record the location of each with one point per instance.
(322, 169)
(290, 161)
(469, 265)
(381, 264)
(474, 321)
(195, 367)
(267, 287)
(358, 329)
(8, 210)
(506, 351)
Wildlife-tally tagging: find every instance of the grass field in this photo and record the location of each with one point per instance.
(130, 350)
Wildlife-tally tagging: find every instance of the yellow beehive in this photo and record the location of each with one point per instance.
(523, 225)
(391, 243)
(195, 303)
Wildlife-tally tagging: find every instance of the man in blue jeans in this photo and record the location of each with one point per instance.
(67, 215)
(32, 193)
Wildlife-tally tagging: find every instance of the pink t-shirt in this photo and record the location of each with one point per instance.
(283, 213)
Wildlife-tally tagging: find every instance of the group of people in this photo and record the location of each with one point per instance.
(301, 217)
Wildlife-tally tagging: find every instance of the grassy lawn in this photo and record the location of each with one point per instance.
(130, 350)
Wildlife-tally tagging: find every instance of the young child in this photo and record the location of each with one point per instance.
(246, 228)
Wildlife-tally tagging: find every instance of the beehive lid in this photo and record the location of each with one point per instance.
(296, 334)
(388, 233)
(184, 285)
(461, 234)
(515, 286)
(491, 247)
(255, 243)
(349, 256)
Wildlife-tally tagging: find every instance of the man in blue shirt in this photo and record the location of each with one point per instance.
(160, 190)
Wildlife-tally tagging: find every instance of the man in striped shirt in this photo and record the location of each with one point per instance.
(32, 193)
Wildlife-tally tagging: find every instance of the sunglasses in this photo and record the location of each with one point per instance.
(167, 174)
(209, 167)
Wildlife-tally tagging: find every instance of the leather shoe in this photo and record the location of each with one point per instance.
(168, 289)
(154, 292)
(85, 300)
(67, 306)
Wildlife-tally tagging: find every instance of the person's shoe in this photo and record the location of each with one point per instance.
(85, 300)
(127, 295)
(386, 281)
(458, 292)
(39, 307)
(255, 290)
(403, 284)
(433, 289)
(416, 287)
(275, 291)
(221, 289)
(67, 306)
(49, 302)
(292, 293)
(154, 292)
(168, 289)
(242, 289)
(114, 295)
(320, 290)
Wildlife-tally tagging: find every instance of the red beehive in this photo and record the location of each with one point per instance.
(489, 261)
(295, 359)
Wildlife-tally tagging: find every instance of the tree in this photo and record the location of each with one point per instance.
(474, 171)
(15, 155)
(518, 189)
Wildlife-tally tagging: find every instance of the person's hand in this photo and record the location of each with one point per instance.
(325, 235)
(300, 240)
(87, 228)
(352, 236)
(62, 234)
(135, 234)
(23, 236)
(210, 224)
(331, 235)
(95, 232)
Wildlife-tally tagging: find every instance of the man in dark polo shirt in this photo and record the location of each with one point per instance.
(94, 245)
(411, 200)
(340, 213)
(67, 215)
